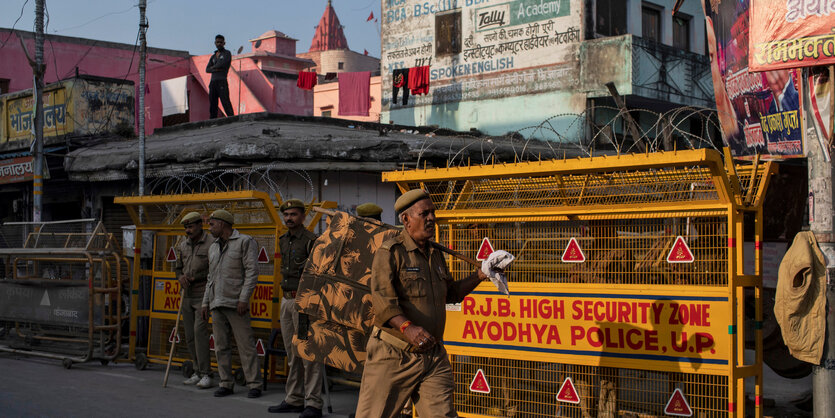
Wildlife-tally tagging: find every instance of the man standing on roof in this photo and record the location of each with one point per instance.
(218, 67)
(192, 269)
(233, 274)
(304, 378)
(410, 287)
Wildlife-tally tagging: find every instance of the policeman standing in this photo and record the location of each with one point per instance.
(410, 286)
(192, 268)
(370, 210)
(233, 274)
(304, 378)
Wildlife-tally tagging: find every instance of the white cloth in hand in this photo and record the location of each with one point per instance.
(494, 268)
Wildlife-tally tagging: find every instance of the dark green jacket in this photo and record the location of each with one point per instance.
(294, 248)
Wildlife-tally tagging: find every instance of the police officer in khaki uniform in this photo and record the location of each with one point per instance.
(304, 378)
(192, 268)
(370, 210)
(233, 274)
(410, 286)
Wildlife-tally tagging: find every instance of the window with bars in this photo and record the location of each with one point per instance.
(448, 33)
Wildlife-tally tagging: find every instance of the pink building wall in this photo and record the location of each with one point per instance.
(63, 54)
(326, 98)
(263, 80)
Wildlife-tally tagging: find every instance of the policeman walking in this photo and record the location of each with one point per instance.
(410, 286)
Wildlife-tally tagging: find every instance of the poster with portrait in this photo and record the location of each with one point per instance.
(759, 113)
(791, 33)
(822, 103)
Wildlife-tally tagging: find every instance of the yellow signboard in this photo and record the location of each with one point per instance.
(166, 301)
(21, 119)
(677, 330)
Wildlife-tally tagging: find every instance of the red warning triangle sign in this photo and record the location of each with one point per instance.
(678, 406)
(262, 256)
(479, 383)
(573, 253)
(174, 337)
(680, 253)
(259, 348)
(567, 392)
(485, 250)
(212, 342)
(172, 255)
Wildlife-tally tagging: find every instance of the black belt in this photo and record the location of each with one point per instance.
(289, 294)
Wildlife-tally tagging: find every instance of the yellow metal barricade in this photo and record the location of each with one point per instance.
(155, 289)
(627, 296)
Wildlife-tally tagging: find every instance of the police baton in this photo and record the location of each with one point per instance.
(174, 338)
(449, 251)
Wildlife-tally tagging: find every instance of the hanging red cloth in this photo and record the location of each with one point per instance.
(307, 79)
(419, 80)
(354, 93)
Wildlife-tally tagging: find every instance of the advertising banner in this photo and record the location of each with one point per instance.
(822, 102)
(479, 49)
(758, 112)
(791, 33)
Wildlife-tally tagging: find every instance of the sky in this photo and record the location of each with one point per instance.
(192, 25)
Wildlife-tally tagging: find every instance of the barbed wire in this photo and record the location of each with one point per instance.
(597, 131)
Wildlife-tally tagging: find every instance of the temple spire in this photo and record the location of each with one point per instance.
(329, 34)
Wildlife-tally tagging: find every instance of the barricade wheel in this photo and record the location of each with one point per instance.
(104, 362)
(141, 361)
(67, 363)
(188, 369)
(240, 379)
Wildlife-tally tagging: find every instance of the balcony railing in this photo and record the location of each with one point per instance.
(670, 74)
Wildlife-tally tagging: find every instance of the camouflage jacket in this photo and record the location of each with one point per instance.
(233, 271)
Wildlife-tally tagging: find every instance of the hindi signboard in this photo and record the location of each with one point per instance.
(791, 33)
(18, 170)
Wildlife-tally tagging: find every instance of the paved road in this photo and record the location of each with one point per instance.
(31, 387)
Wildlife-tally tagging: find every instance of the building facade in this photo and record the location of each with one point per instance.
(503, 66)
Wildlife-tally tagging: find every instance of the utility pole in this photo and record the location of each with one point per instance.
(143, 27)
(37, 93)
(821, 224)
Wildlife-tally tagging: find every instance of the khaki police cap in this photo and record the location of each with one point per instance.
(409, 198)
(224, 216)
(290, 204)
(368, 209)
(191, 218)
